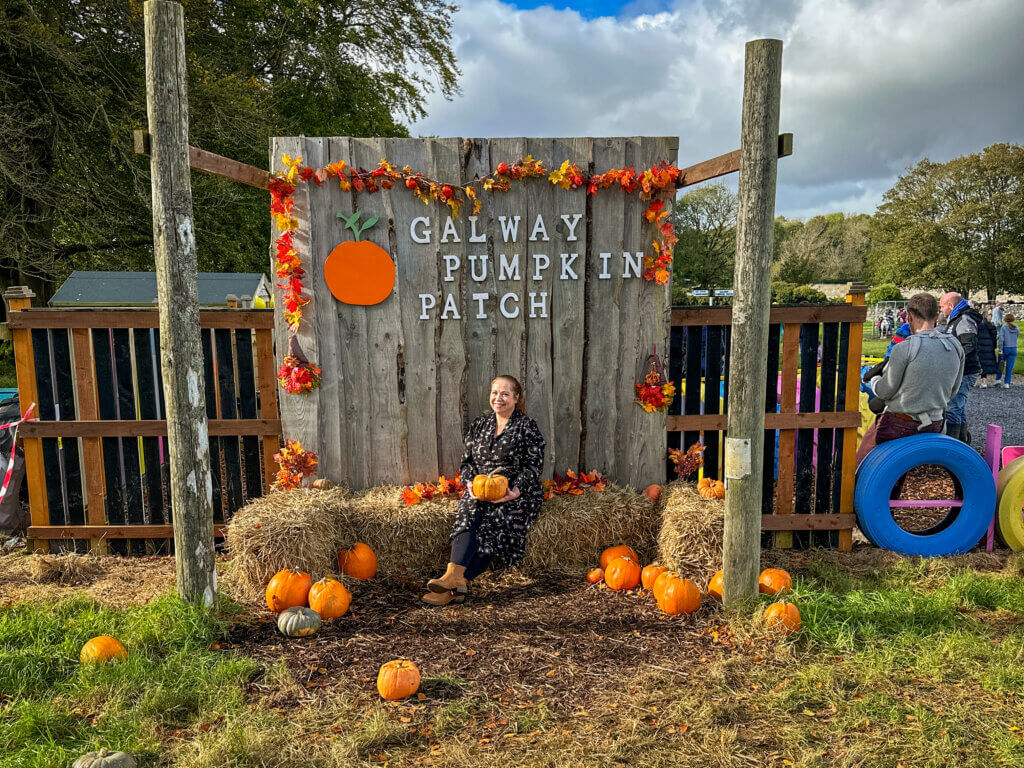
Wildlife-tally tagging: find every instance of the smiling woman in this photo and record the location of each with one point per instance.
(505, 444)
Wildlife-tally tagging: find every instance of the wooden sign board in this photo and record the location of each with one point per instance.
(544, 284)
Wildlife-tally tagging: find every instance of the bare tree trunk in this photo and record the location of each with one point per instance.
(759, 157)
(174, 247)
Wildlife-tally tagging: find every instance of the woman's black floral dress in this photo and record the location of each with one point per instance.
(518, 454)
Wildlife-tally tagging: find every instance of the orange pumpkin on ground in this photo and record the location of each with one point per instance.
(102, 649)
(784, 616)
(360, 562)
(659, 583)
(650, 574)
(288, 589)
(774, 580)
(715, 586)
(622, 573)
(398, 680)
(329, 598)
(652, 492)
(619, 551)
(358, 271)
(678, 596)
(490, 487)
(596, 575)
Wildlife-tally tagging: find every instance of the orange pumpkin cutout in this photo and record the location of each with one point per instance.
(358, 271)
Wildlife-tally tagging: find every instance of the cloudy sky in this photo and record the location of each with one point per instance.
(869, 86)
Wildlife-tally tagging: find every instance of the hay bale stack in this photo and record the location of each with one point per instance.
(295, 529)
(65, 570)
(305, 528)
(690, 540)
(571, 531)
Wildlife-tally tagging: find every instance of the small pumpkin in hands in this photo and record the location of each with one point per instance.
(650, 574)
(618, 551)
(774, 580)
(288, 589)
(490, 487)
(102, 649)
(678, 596)
(298, 621)
(715, 586)
(105, 758)
(596, 575)
(622, 573)
(360, 562)
(329, 598)
(783, 616)
(398, 680)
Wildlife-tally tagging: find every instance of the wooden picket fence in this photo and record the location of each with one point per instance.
(811, 412)
(96, 462)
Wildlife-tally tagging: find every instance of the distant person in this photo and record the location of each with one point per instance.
(920, 377)
(987, 357)
(997, 314)
(1007, 340)
(962, 321)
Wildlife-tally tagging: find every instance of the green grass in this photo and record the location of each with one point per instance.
(59, 708)
(906, 661)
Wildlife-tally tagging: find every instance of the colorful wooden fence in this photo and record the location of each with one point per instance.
(96, 461)
(811, 412)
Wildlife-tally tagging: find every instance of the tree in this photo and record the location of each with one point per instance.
(884, 292)
(957, 225)
(72, 90)
(705, 221)
(828, 248)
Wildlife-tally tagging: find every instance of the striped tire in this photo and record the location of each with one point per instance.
(887, 463)
(1009, 499)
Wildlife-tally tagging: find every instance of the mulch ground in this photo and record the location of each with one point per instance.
(516, 639)
(925, 482)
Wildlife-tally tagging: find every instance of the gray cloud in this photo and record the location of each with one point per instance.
(869, 87)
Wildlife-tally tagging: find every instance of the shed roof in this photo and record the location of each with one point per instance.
(132, 289)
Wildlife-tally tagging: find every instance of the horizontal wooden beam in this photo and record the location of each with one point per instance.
(725, 164)
(717, 422)
(145, 428)
(209, 162)
(837, 522)
(44, 317)
(812, 313)
(108, 531)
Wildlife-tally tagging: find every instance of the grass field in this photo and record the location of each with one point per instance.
(899, 662)
(877, 347)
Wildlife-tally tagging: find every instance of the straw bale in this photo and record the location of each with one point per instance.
(690, 540)
(64, 569)
(305, 528)
(571, 531)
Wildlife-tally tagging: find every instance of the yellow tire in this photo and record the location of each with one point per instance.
(1009, 500)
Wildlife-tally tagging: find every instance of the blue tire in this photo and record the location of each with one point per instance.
(887, 463)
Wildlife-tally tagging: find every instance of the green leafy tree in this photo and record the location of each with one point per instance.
(72, 89)
(884, 292)
(829, 248)
(705, 221)
(791, 293)
(957, 225)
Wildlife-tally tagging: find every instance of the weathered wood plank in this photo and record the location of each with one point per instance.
(566, 305)
(42, 317)
(823, 313)
(383, 339)
(144, 428)
(541, 254)
(606, 214)
(209, 162)
(784, 421)
(92, 453)
(267, 388)
(108, 531)
(807, 522)
(786, 486)
(725, 164)
(450, 347)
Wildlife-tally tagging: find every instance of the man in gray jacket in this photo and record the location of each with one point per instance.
(921, 376)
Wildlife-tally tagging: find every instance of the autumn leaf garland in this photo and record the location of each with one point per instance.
(654, 184)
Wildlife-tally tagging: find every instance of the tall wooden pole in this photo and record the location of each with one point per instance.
(762, 86)
(181, 354)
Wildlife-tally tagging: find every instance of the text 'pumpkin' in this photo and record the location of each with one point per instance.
(358, 271)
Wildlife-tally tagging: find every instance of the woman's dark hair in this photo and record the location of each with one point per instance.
(517, 390)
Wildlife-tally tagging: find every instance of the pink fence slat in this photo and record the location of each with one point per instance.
(993, 444)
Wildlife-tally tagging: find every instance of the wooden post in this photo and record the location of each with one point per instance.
(20, 297)
(181, 355)
(762, 85)
(855, 296)
(92, 447)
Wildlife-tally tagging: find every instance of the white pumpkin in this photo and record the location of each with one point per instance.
(298, 621)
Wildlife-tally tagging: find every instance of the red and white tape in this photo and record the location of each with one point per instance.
(14, 447)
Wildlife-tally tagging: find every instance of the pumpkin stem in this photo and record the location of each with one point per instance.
(103, 752)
